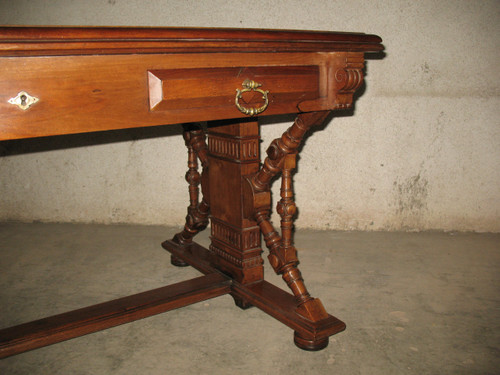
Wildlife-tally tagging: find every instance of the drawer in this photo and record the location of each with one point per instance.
(276, 87)
(97, 93)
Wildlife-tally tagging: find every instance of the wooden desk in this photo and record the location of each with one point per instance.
(70, 80)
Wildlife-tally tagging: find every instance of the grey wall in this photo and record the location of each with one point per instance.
(422, 150)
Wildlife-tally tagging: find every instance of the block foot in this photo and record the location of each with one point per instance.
(178, 262)
(241, 303)
(309, 344)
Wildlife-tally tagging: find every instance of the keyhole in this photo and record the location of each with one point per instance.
(23, 100)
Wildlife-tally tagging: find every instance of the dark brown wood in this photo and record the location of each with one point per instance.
(178, 89)
(102, 92)
(83, 86)
(97, 79)
(45, 41)
(282, 305)
(234, 153)
(197, 216)
(95, 318)
(193, 254)
(283, 255)
(309, 335)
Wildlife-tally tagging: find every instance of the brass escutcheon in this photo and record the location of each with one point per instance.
(249, 85)
(23, 100)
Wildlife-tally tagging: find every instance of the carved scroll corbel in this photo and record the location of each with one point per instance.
(282, 254)
(350, 77)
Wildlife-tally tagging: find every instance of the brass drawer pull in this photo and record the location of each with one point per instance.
(249, 85)
(23, 100)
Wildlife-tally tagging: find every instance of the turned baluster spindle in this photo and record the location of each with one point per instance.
(192, 177)
(286, 206)
(280, 147)
(197, 217)
(282, 159)
(295, 282)
(272, 239)
(199, 145)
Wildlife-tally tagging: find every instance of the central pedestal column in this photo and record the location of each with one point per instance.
(234, 153)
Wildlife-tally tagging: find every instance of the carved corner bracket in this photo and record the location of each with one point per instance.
(349, 78)
(343, 76)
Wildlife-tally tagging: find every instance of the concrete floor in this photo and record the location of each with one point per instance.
(414, 303)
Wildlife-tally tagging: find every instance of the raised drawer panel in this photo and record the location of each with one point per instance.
(182, 89)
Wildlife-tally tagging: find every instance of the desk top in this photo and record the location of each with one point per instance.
(21, 40)
(65, 80)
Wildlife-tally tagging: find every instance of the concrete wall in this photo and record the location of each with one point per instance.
(421, 152)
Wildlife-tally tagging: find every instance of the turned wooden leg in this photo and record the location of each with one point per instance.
(240, 206)
(197, 216)
(283, 255)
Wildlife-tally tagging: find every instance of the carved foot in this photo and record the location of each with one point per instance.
(308, 343)
(178, 262)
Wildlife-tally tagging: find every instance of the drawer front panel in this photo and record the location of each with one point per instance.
(188, 89)
(97, 93)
